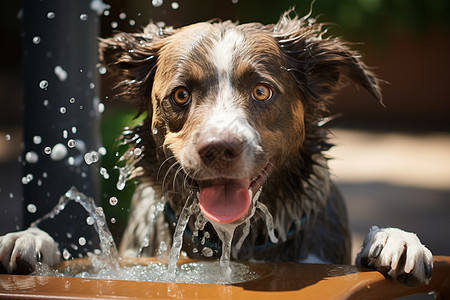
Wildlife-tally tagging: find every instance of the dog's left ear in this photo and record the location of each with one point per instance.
(131, 59)
(319, 64)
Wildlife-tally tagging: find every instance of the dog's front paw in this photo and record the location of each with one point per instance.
(397, 254)
(21, 251)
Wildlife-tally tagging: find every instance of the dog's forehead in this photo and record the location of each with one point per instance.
(219, 47)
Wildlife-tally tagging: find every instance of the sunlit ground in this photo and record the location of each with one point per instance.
(398, 180)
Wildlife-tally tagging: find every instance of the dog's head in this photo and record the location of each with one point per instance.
(232, 103)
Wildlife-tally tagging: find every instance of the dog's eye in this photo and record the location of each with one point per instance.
(262, 92)
(181, 96)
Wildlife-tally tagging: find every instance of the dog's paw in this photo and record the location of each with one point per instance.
(397, 254)
(21, 251)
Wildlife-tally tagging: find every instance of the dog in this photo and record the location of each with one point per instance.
(233, 121)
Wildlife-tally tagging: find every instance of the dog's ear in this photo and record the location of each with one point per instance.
(131, 60)
(319, 64)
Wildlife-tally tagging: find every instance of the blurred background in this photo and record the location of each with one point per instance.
(393, 163)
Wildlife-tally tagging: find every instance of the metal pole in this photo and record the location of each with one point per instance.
(61, 115)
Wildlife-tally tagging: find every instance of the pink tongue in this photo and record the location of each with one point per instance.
(225, 203)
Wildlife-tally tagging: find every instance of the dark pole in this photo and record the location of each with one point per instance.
(61, 115)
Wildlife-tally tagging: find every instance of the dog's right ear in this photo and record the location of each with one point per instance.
(131, 60)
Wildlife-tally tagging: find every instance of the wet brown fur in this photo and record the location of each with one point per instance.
(306, 67)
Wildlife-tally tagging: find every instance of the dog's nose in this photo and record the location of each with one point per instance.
(220, 152)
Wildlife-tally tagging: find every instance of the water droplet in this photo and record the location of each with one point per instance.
(71, 143)
(101, 107)
(43, 84)
(47, 150)
(90, 220)
(72, 100)
(36, 40)
(37, 139)
(137, 151)
(114, 24)
(65, 134)
(157, 3)
(132, 22)
(44, 174)
(155, 130)
(25, 180)
(104, 173)
(66, 254)
(83, 17)
(8, 137)
(102, 151)
(11, 195)
(51, 15)
(31, 157)
(71, 161)
(58, 152)
(82, 241)
(60, 73)
(45, 102)
(39, 182)
(31, 208)
(29, 177)
(62, 110)
(102, 70)
(91, 85)
(163, 246)
(175, 5)
(113, 201)
(113, 220)
(74, 130)
(91, 157)
(122, 16)
(106, 13)
(207, 252)
(234, 1)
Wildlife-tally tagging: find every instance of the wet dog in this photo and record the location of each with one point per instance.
(233, 121)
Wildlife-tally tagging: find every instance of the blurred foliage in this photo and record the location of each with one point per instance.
(357, 18)
(360, 16)
(113, 123)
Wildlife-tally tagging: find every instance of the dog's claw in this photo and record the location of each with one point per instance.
(376, 252)
(428, 270)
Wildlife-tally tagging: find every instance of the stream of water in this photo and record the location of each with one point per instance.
(106, 265)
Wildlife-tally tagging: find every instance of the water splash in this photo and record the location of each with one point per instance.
(110, 256)
(155, 210)
(191, 207)
(269, 221)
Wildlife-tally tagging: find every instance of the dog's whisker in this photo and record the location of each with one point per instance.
(178, 171)
(163, 163)
(167, 174)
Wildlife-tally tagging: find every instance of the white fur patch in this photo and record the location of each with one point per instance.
(30, 245)
(224, 49)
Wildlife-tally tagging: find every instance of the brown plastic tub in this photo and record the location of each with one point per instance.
(277, 281)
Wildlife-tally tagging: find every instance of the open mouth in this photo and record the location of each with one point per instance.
(224, 200)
